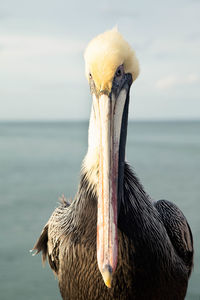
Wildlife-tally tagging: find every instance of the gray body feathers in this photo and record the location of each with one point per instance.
(155, 256)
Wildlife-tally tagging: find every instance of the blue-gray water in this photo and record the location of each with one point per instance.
(40, 161)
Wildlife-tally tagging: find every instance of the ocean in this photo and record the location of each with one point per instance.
(40, 161)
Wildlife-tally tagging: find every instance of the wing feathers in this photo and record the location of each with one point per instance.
(178, 230)
(41, 244)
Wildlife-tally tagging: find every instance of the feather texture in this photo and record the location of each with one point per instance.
(151, 263)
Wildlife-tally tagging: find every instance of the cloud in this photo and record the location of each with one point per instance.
(172, 81)
(25, 45)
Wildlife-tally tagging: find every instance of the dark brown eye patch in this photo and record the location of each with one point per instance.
(120, 71)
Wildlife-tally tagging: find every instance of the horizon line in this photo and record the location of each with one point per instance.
(87, 120)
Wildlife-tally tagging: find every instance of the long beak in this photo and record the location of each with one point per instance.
(110, 111)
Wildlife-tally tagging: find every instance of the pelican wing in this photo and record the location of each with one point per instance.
(49, 240)
(49, 249)
(41, 244)
(178, 231)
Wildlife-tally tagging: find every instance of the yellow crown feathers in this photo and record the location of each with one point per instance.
(104, 54)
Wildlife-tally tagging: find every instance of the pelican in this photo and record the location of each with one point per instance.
(113, 241)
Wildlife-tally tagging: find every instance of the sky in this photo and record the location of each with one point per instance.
(42, 67)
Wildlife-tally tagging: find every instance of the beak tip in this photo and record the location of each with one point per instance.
(107, 275)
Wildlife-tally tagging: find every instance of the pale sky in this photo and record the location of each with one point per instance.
(41, 56)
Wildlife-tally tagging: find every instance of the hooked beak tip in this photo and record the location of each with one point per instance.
(107, 275)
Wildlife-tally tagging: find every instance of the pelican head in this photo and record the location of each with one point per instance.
(111, 67)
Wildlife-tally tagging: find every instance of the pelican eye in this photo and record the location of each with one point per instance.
(90, 75)
(120, 72)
